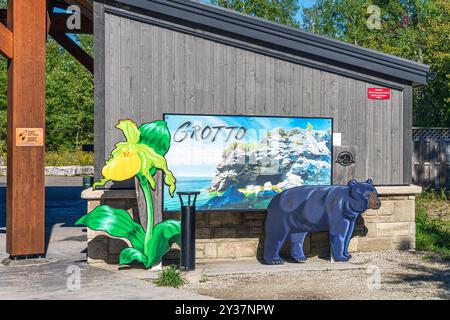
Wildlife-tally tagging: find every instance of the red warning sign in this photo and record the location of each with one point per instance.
(378, 94)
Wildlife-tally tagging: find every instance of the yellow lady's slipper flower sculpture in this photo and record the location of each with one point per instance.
(131, 157)
(141, 155)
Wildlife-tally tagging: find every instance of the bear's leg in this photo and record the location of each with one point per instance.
(272, 246)
(348, 237)
(297, 240)
(337, 240)
(337, 247)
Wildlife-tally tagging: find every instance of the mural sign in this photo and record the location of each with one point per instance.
(242, 162)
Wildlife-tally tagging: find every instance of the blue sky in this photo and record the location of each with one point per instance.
(307, 3)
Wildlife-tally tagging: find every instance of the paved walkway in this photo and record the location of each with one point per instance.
(57, 277)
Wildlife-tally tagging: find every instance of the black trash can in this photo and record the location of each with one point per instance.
(187, 255)
(88, 181)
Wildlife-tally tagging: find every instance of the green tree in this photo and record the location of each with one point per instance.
(69, 98)
(413, 29)
(2, 105)
(281, 11)
(3, 65)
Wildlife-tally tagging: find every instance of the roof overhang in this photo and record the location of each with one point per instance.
(283, 38)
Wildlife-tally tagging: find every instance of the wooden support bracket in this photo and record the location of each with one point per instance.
(86, 7)
(79, 54)
(57, 22)
(6, 42)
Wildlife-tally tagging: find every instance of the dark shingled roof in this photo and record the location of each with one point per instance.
(283, 38)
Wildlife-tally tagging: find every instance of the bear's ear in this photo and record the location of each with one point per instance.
(369, 181)
(352, 182)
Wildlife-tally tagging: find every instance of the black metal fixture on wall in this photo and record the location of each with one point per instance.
(345, 158)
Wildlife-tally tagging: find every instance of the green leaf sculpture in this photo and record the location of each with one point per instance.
(141, 155)
(116, 223)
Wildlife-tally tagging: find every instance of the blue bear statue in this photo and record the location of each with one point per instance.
(299, 210)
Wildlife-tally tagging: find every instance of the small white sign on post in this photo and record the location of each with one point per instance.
(337, 139)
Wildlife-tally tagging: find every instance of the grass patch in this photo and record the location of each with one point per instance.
(204, 279)
(170, 277)
(433, 233)
(69, 158)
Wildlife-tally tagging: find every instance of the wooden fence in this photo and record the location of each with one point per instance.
(431, 157)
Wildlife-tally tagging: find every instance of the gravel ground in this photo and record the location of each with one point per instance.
(402, 274)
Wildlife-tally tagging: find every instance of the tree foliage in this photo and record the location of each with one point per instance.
(3, 65)
(69, 99)
(2, 105)
(281, 11)
(413, 29)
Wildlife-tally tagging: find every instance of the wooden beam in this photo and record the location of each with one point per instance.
(25, 199)
(58, 23)
(86, 7)
(78, 53)
(3, 15)
(86, 4)
(6, 42)
(59, 4)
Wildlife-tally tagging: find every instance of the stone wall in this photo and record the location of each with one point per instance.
(240, 235)
(60, 170)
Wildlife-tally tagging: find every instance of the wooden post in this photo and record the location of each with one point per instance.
(26, 128)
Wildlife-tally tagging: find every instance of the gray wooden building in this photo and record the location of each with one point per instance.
(181, 56)
(160, 56)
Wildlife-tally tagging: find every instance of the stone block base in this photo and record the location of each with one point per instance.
(240, 235)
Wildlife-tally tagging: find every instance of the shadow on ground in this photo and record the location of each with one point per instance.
(420, 274)
(63, 206)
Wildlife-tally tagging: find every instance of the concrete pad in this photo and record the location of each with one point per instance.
(77, 280)
(7, 262)
(64, 273)
(137, 271)
(254, 266)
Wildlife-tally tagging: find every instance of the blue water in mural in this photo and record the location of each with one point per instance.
(187, 184)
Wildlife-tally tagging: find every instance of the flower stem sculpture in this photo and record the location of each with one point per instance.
(141, 155)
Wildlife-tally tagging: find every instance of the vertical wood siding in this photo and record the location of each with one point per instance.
(150, 70)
